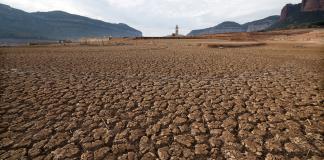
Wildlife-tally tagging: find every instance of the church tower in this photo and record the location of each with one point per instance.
(177, 30)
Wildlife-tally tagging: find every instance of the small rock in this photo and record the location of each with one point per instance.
(292, 148)
(119, 148)
(214, 125)
(175, 149)
(187, 153)
(201, 138)
(273, 145)
(215, 142)
(252, 146)
(43, 134)
(87, 156)
(153, 129)
(99, 133)
(198, 128)
(36, 149)
(163, 153)
(216, 132)
(196, 115)
(201, 149)
(123, 157)
(68, 151)
(101, 153)
(6, 142)
(149, 156)
(131, 156)
(56, 140)
(92, 145)
(164, 140)
(186, 140)
(144, 145)
(274, 157)
(136, 134)
(179, 120)
(25, 142)
(18, 154)
(229, 123)
(228, 137)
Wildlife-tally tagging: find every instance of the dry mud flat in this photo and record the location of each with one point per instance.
(162, 99)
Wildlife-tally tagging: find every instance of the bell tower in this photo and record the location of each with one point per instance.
(177, 30)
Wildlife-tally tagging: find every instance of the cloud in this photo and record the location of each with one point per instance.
(159, 17)
(126, 3)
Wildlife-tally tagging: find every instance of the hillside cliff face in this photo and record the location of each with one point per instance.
(56, 25)
(262, 24)
(289, 10)
(312, 5)
(306, 13)
(306, 7)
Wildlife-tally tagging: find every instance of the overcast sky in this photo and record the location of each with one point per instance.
(159, 17)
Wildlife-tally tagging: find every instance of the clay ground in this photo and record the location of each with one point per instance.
(165, 99)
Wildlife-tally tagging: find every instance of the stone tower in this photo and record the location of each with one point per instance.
(177, 30)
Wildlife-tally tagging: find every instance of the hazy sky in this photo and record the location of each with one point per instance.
(159, 17)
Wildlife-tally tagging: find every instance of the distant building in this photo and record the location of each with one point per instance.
(176, 33)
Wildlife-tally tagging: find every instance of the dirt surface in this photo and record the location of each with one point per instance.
(232, 44)
(162, 99)
(305, 35)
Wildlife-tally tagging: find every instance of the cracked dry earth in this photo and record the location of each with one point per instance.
(161, 99)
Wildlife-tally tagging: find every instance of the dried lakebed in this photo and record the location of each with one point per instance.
(178, 102)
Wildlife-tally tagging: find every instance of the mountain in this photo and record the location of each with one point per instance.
(18, 24)
(227, 27)
(307, 13)
(260, 25)
(221, 28)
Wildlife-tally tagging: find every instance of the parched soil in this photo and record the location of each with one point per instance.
(162, 99)
(233, 44)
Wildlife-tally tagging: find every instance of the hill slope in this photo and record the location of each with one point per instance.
(15, 23)
(227, 27)
(297, 15)
(261, 24)
(308, 13)
(221, 28)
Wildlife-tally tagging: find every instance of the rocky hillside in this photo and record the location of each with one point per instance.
(18, 24)
(221, 28)
(312, 5)
(309, 13)
(261, 25)
(230, 27)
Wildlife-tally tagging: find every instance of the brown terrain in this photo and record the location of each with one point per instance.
(228, 96)
(312, 5)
